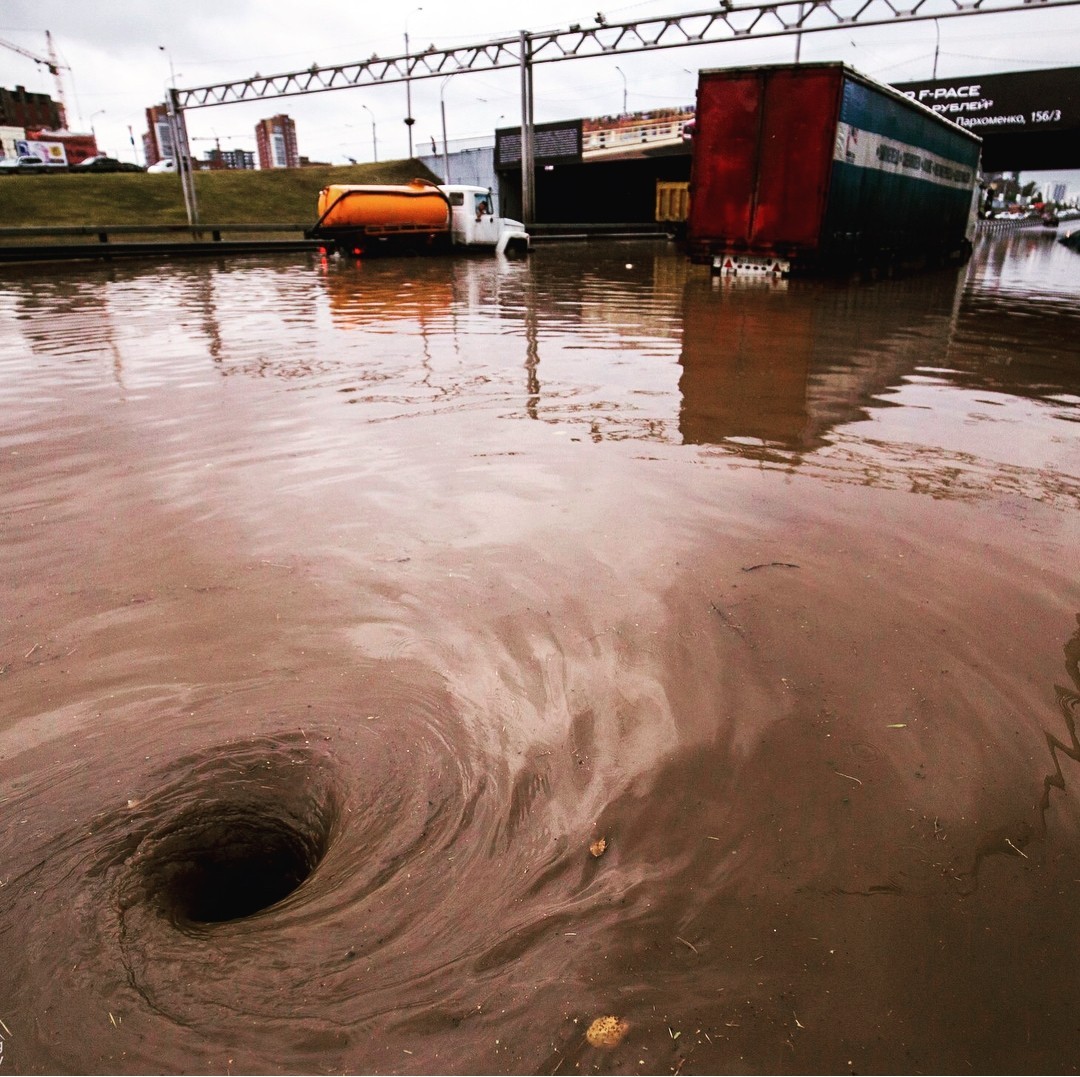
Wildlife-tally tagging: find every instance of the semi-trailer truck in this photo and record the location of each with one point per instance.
(817, 167)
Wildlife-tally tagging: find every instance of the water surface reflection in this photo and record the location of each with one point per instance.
(408, 582)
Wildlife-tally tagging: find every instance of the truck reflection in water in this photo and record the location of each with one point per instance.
(653, 349)
(778, 365)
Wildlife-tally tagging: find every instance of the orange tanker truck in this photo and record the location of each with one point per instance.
(365, 219)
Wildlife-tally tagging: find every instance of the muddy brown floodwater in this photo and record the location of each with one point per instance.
(405, 665)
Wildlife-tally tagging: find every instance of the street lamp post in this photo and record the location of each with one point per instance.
(93, 133)
(798, 36)
(172, 70)
(173, 125)
(374, 140)
(409, 121)
(442, 109)
(181, 152)
(620, 70)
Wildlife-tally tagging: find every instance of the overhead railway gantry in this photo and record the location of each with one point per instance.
(729, 22)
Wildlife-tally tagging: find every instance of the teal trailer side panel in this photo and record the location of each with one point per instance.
(902, 182)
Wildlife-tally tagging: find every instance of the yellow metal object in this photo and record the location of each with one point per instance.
(672, 201)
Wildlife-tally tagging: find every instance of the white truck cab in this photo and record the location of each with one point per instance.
(473, 222)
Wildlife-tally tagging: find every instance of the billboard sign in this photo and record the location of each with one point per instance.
(1036, 101)
(555, 143)
(52, 153)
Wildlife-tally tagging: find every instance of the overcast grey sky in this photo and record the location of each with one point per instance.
(117, 67)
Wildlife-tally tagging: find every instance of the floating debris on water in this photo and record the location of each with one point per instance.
(606, 1031)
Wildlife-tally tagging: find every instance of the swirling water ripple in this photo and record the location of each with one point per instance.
(351, 605)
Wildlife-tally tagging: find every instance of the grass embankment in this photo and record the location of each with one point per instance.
(279, 196)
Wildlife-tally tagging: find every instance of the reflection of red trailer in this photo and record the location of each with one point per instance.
(815, 166)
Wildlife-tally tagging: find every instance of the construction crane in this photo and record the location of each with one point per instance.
(54, 66)
(216, 139)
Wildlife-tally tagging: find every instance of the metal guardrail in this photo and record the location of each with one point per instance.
(104, 231)
(81, 242)
(543, 233)
(1006, 224)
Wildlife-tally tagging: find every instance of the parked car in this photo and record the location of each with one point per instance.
(101, 163)
(166, 164)
(10, 165)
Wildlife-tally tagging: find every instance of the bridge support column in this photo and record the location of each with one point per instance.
(528, 156)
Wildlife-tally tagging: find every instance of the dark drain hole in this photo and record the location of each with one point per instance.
(212, 871)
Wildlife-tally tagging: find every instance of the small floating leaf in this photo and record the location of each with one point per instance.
(597, 848)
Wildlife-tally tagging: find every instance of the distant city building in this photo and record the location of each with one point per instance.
(53, 147)
(20, 108)
(1060, 190)
(275, 140)
(236, 160)
(8, 138)
(157, 141)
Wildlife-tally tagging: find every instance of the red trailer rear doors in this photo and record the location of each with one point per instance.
(762, 158)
